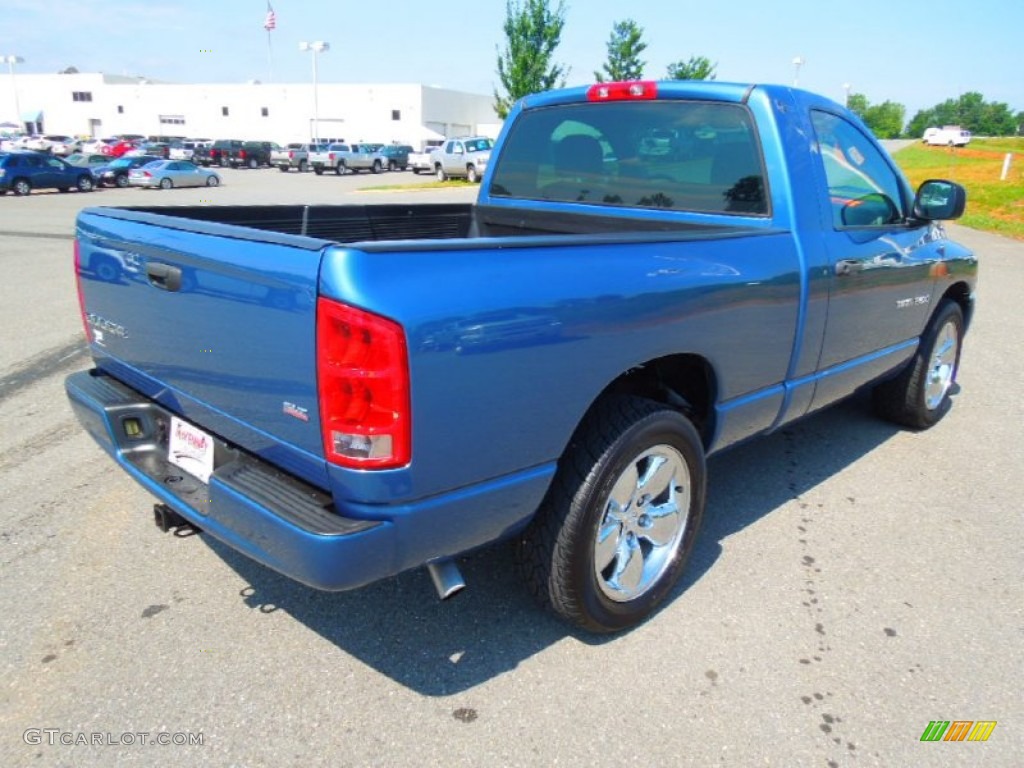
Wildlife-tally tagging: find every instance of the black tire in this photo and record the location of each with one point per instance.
(471, 174)
(376, 166)
(303, 166)
(624, 438)
(416, 171)
(213, 181)
(121, 180)
(166, 183)
(441, 175)
(21, 187)
(392, 165)
(84, 184)
(340, 168)
(919, 397)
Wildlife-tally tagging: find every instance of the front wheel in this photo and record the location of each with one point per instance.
(376, 166)
(441, 175)
(613, 535)
(212, 181)
(919, 397)
(21, 187)
(85, 184)
(471, 175)
(121, 180)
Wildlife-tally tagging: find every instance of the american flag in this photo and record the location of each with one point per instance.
(271, 21)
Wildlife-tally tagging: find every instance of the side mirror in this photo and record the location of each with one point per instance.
(938, 199)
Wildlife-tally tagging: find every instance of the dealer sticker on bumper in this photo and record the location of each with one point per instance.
(191, 449)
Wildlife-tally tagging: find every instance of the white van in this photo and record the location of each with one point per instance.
(949, 135)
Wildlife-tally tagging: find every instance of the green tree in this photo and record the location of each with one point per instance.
(532, 33)
(696, 68)
(971, 112)
(886, 119)
(624, 48)
(858, 104)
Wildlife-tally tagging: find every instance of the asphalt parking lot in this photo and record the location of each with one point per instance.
(852, 583)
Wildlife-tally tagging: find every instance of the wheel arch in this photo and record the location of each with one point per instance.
(960, 293)
(685, 382)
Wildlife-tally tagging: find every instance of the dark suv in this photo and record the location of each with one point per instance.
(21, 172)
(397, 156)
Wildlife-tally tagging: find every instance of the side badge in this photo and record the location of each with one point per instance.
(295, 411)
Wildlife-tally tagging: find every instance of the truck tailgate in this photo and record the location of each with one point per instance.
(215, 322)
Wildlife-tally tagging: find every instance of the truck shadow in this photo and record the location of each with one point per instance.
(399, 627)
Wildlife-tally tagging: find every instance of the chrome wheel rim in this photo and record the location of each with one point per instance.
(942, 365)
(643, 524)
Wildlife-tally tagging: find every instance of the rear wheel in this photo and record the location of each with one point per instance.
(919, 396)
(340, 168)
(471, 176)
(441, 175)
(613, 535)
(253, 163)
(121, 180)
(166, 183)
(376, 166)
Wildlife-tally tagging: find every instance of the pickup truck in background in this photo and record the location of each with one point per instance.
(422, 161)
(342, 158)
(293, 156)
(652, 272)
(463, 158)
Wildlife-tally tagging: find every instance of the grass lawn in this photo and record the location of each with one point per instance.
(992, 205)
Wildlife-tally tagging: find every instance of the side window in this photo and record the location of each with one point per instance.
(863, 189)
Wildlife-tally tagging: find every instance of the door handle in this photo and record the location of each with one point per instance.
(846, 267)
(163, 276)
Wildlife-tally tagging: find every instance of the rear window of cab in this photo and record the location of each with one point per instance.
(672, 155)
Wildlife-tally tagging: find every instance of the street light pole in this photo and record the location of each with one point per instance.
(318, 46)
(797, 63)
(847, 87)
(11, 60)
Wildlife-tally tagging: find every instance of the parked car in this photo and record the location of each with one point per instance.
(46, 143)
(679, 313)
(167, 174)
(154, 148)
(87, 161)
(122, 147)
(422, 161)
(254, 154)
(186, 150)
(396, 156)
(342, 158)
(99, 146)
(23, 171)
(67, 147)
(115, 172)
(465, 158)
(294, 155)
(221, 151)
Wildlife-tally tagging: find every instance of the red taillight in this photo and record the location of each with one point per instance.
(241, 154)
(330, 156)
(291, 155)
(81, 296)
(635, 90)
(363, 382)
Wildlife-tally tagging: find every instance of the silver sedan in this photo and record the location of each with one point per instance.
(167, 174)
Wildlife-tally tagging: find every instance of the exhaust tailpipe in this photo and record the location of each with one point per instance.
(446, 577)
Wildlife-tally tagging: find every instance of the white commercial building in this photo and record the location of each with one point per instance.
(96, 104)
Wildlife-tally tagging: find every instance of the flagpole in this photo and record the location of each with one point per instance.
(270, 59)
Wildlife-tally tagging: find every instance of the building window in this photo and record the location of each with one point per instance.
(265, 111)
(172, 119)
(120, 109)
(396, 114)
(224, 111)
(81, 95)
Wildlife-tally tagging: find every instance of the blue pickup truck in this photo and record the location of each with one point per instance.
(652, 272)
